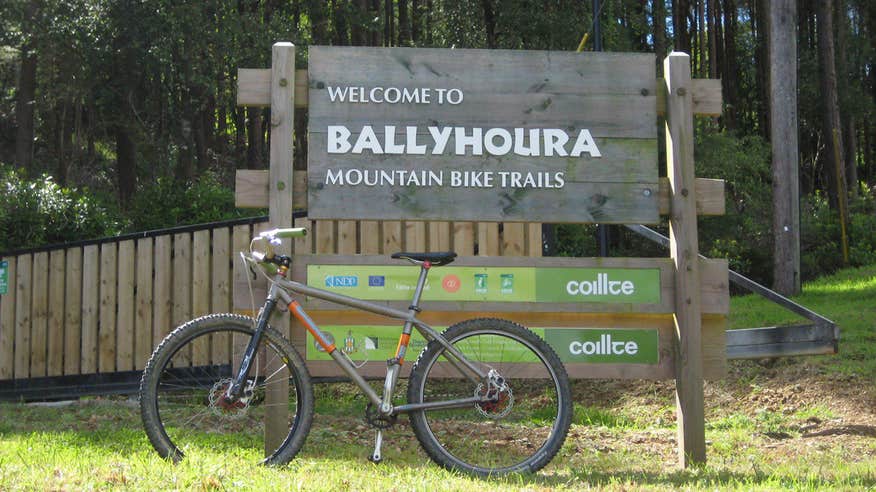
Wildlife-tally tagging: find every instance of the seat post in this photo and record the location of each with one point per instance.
(421, 283)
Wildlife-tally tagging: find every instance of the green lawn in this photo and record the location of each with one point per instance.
(802, 423)
(848, 298)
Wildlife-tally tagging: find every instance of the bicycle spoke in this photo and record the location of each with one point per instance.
(192, 404)
(522, 412)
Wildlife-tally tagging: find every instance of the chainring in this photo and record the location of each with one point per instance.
(374, 419)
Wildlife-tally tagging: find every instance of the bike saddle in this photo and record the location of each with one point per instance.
(436, 259)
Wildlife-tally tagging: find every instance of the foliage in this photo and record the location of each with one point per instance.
(820, 242)
(39, 211)
(743, 233)
(170, 203)
(161, 76)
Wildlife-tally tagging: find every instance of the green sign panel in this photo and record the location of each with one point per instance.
(363, 342)
(378, 343)
(590, 345)
(494, 284)
(641, 286)
(604, 346)
(4, 277)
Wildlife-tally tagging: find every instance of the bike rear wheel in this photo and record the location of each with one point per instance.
(524, 425)
(182, 391)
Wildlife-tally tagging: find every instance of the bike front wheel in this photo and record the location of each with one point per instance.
(182, 392)
(524, 424)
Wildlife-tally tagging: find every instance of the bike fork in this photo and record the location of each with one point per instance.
(237, 386)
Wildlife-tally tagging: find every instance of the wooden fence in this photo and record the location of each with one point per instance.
(101, 307)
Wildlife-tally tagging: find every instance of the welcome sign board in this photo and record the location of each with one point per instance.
(398, 133)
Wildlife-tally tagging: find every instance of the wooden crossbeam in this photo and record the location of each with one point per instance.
(254, 89)
(251, 191)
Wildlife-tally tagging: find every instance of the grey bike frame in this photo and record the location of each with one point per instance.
(466, 368)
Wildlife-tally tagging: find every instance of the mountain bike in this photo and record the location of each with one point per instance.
(485, 396)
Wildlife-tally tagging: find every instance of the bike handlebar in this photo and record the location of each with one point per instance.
(270, 239)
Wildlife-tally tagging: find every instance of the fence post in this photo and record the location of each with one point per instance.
(280, 212)
(684, 252)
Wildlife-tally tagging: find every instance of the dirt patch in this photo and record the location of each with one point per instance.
(788, 409)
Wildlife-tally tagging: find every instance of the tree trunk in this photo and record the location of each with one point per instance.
(680, 15)
(376, 38)
(255, 154)
(339, 15)
(761, 104)
(240, 150)
(850, 147)
(404, 27)
(490, 23)
(729, 72)
(64, 136)
(221, 144)
(846, 113)
(126, 164)
(319, 22)
(659, 13)
(201, 146)
(831, 123)
(429, 24)
(783, 138)
(388, 23)
(358, 28)
(701, 38)
(713, 38)
(26, 95)
(415, 22)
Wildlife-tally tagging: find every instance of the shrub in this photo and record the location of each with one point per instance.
(821, 238)
(744, 234)
(168, 203)
(37, 212)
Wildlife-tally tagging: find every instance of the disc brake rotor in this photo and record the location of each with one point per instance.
(229, 408)
(498, 395)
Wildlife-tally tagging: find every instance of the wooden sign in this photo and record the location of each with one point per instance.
(588, 309)
(436, 134)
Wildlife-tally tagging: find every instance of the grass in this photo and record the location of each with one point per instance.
(848, 298)
(800, 423)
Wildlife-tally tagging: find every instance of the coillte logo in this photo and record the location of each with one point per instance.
(604, 346)
(601, 286)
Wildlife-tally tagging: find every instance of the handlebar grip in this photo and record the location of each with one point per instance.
(285, 233)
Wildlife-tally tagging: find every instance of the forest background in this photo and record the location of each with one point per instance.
(120, 115)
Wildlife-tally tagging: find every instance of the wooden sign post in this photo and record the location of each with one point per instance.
(684, 251)
(470, 138)
(280, 211)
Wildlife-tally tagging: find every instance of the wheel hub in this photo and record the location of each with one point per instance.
(224, 406)
(497, 397)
